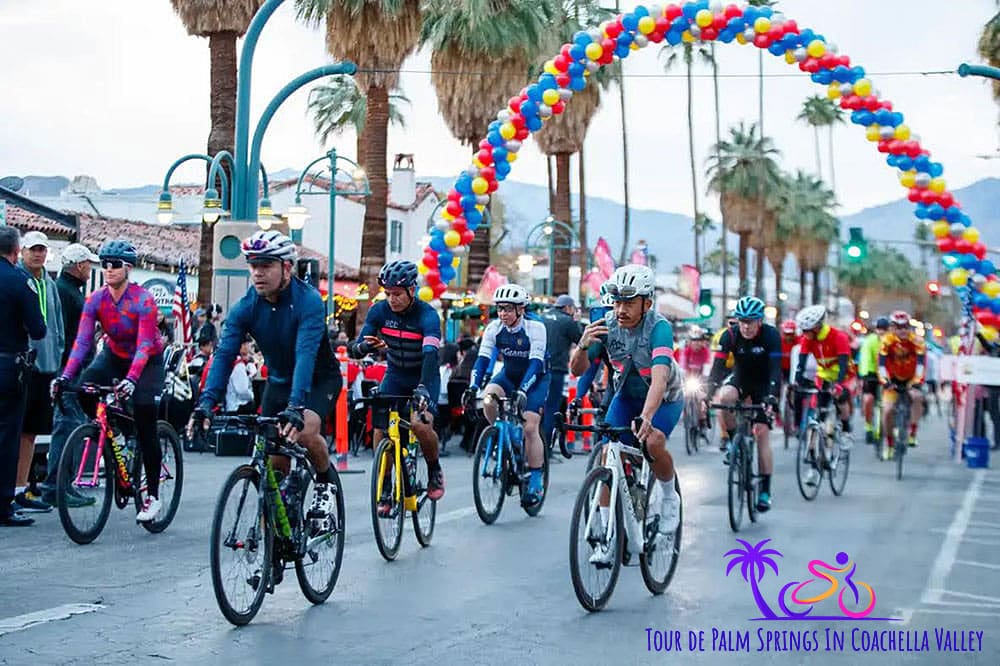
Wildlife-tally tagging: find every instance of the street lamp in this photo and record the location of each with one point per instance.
(525, 263)
(542, 237)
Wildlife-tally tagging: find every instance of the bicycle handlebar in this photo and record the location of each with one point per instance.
(738, 407)
(600, 428)
(381, 398)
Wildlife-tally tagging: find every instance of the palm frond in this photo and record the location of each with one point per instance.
(206, 17)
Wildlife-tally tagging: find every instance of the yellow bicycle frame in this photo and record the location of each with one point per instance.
(409, 501)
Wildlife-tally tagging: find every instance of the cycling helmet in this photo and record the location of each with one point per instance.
(788, 327)
(900, 318)
(607, 301)
(696, 333)
(882, 323)
(269, 245)
(119, 249)
(811, 317)
(398, 274)
(631, 281)
(749, 307)
(511, 293)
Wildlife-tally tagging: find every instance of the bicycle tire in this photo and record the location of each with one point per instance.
(653, 584)
(536, 509)
(902, 425)
(735, 484)
(839, 469)
(595, 456)
(751, 483)
(488, 512)
(240, 617)
(69, 464)
(690, 431)
(425, 507)
(802, 467)
(337, 535)
(581, 509)
(388, 546)
(169, 441)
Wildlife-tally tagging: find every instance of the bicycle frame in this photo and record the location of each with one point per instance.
(504, 426)
(121, 469)
(401, 489)
(612, 461)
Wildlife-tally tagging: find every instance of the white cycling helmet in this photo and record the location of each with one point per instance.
(631, 281)
(811, 317)
(270, 245)
(511, 293)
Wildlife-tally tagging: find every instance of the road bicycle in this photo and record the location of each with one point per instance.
(500, 465)
(789, 426)
(101, 462)
(824, 449)
(399, 481)
(901, 420)
(261, 525)
(743, 478)
(631, 531)
(696, 431)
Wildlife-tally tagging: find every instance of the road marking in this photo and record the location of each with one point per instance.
(945, 611)
(982, 525)
(985, 565)
(455, 514)
(968, 595)
(972, 604)
(20, 622)
(981, 542)
(949, 546)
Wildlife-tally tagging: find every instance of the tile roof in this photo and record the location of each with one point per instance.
(423, 190)
(27, 221)
(157, 244)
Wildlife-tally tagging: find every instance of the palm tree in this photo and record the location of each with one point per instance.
(753, 561)
(464, 35)
(377, 35)
(701, 226)
(743, 171)
(819, 112)
(222, 21)
(340, 103)
(922, 235)
(688, 53)
(989, 48)
(806, 220)
(886, 272)
(625, 183)
(715, 263)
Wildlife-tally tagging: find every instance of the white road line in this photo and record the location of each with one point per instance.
(454, 515)
(985, 565)
(944, 611)
(981, 542)
(19, 622)
(952, 539)
(968, 604)
(983, 525)
(968, 595)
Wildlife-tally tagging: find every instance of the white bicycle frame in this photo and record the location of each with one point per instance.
(633, 527)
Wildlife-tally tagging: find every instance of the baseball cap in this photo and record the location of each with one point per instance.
(565, 301)
(77, 252)
(34, 239)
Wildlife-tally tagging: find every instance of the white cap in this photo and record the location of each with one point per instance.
(77, 252)
(34, 239)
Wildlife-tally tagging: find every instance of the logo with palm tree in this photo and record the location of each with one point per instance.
(855, 599)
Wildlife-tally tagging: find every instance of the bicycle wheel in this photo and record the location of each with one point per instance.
(658, 559)
(389, 527)
(903, 431)
(171, 477)
(426, 513)
(750, 461)
(594, 459)
(736, 484)
(85, 484)
(241, 547)
(489, 484)
(534, 510)
(809, 474)
(319, 567)
(690, 429)
(788, 419)
(594, 583)
(840, 463)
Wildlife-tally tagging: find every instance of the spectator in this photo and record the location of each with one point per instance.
(206, 329)
(448, 355)
(198, 363)
(460, 378)
(239, 393)
(562, 332)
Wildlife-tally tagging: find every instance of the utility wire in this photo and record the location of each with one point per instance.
(932, 72)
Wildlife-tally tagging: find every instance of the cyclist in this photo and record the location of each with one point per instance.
(593, 373)
(132, 355)
(649, 392)
(755, 378)
(694, 357)
(901, 361)
(832, 349)
(409, 330)
(286, 317)
(789, 338)
(868, 370)
(731, 323)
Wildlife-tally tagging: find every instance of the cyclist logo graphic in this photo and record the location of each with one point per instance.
(855, 599)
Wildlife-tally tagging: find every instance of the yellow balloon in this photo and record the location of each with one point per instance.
(938, 185)
(816, 48)
(452, 238)
(457, 261)
(991, 289)
(703, 18)
(594, 50)
(863, 88)
(790, 57)
(480, 208)
(902, 132)
(476, 163)
(762, 24)
(446, 215)
(551, 96)
(940, 229)
(958, 277)
(908, 179)
(989, 332)
(647, 24)
(872, 133)
(422, 268)
(550, 68)
(686, 36)
(633, 46)
(507, 131)
(511, 156)
(971, 234)
(479, 185)
(833, 92)
(426, 293)
(739, 38)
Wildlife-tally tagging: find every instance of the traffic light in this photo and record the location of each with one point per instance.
(857, 247)
(705, 307)
(933, 288)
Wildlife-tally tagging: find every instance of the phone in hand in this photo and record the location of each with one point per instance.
(597, 313)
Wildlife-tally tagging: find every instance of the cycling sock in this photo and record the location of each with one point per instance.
(324, 476)
(433, 466)
(667, 487)
(913, 430)
(765, 483)
(604, 516)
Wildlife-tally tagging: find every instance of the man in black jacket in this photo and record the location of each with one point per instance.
(562, 332)
(78, 263)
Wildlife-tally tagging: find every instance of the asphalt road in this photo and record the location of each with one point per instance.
(929, 546)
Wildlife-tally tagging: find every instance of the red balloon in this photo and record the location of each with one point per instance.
(656, 36)
(561, 62)
(459, 224)
(467, 236)
(663, 24)
(885, 104)
(485, 156)
(489, 173)
(762, 41)
(558, 107)
(871, 103)
(709, 34)
(776, 32)
(718, 22)
(914, 194)
(517, 120)
(986, 317)
(946, 244)
(963, 246)
(732, 11)
(928, 197)
(883, 146)
(791, 27)
(992, 277)
(433, 277)
(485, 145)
(895, 146)
(565, 50)
(430, 260)
(946, 199)
(453, 195)
(614, 29)
(810, 65)
(844, 60)
(563, 80)
(454, 208)
(515, 104)
(828, 61)
(673, 11)
(522, 134)
(439, 289)
(608, 44)
(979, 249)
(493, 186)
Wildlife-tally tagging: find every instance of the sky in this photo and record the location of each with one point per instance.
(116, 89)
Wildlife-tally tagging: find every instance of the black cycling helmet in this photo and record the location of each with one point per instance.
(398, 274)
(119, 249)
(882, 323)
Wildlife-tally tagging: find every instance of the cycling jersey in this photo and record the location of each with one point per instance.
(868, 361)
(693, 361)
(716, 340)
(129, 327)
(832, 349)
(291, 334)
(786, 354)
(412, 337)
(522, 347)
(902, 358)
(757, 361)
(648, 344)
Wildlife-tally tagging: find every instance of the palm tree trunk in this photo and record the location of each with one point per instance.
(374, 236)
(718, 140)
(779, 274)
(222, 108)
(758, 287)
(562, 213)
(694, 176)
(552, 189)
(744, 283)
(582, 224)
(819, 162)
(833, 175)
(816, 295)
(803, 279)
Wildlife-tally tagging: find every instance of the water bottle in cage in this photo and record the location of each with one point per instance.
(410, 463)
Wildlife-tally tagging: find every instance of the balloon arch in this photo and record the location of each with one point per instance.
(963, 253)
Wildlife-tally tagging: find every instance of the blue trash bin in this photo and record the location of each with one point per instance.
(977, 452)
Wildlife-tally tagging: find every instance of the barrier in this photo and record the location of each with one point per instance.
(340, 415)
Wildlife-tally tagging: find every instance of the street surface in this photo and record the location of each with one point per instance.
(929, 546)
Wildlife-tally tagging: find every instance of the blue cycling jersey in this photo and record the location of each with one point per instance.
(291, 334)
(413, 338)
(522, 348)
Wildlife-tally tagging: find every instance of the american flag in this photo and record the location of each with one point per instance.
(181, 311)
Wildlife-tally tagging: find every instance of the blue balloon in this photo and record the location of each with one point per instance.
(576, 69)
(891, 160)
(922, 163)
(735, 23)
(935, 212)
(437, 244)
(503, 170)
(935, 169)
(582, 38)
(823, 76)
(463, 185)
(725, 36)
(500, 155)
(474, 216)
(577, 52)
(640, 11)
(953, 214)
(981, 300)
(995, 305)
(622, 51)
(897, 118)
(987, 267)
(495, 139)
(534, 93)
(766, 11)
(547, 82)
(777, 48)
(882, 116)
(904, 162)
(921, 212)
(750, 14)
(966, 220)
(858, 72)
(968, 262)
(806, 35)
(445, 257)
(468, 202)
(862, 117)
(533, 124)
(447, 273)
(790, 41)
(625, 39)
(674, 38)
(577, 83)
(680, 24)
(630, 22)
(529, 108)
(689, 9)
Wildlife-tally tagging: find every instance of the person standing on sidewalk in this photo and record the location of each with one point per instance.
(78, 263)
(562, 332)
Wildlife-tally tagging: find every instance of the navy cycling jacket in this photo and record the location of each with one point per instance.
(413, 338)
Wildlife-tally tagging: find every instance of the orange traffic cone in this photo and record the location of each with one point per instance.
(340, 414)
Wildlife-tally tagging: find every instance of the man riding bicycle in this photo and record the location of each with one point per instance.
(585, 383)
(868, 371)
(132, 355)
(832, 349)
(286, 318)
(409, 330)
(901, 363)
(520, 340)
(649, 392)
(694, 357)
(756, 378)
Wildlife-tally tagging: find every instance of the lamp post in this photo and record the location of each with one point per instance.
(542, 237)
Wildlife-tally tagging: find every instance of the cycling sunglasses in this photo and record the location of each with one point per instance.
(623, 293)
(506, 307)
(113, 263)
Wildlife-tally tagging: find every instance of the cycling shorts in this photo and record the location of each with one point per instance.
(751, 393)
(623, 410)
(870, 384)
(321, 398)
(108, 369)
(536, 395)
(402, 384)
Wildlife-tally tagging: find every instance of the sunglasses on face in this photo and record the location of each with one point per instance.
(624, 292)
(507, 307)
(113, 264)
